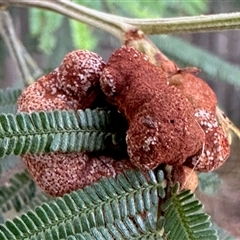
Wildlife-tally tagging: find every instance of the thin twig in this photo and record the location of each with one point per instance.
(117, 25)
(32, 65)
(227, 124)
(9, 36)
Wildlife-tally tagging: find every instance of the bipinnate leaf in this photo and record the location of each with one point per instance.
(19, 192)
(9, 96)
(95, 212)
(185, 219)
(64, 131)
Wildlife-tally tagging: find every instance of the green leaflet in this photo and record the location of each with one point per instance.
(18, 194)
(39, 198)
(128, 228)
(121, 208)
(209, 183)
(185, 219)
(65, 131)
(223, 234)
(8, 99)
(9, 96)
(95, 211)
(7, 163)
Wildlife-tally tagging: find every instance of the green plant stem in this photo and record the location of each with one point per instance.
(203, 23)
(119, 25)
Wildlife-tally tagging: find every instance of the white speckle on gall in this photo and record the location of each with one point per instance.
(74, 85)
(60, 173)
(157, 114)
(61, 88)
(216, 149)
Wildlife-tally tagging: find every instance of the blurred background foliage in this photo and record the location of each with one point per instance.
(49, 36)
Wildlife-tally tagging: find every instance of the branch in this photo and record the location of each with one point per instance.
(9, 36)
(94, 18)
(36, 71)
(203, 23)
(117, 25)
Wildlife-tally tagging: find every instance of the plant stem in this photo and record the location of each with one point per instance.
(203, 23)
(75, 11)
(9, 36)
(117, 25)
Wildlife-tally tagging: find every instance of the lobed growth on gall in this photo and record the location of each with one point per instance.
(171, 117)
(162, 126)
(216, 148)
(60, 173)
(73, 85)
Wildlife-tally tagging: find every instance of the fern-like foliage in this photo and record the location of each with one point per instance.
(185, 218)
(8, 109)
(223, 234)
(1, 218)
(39, 198)
(7, 163)
(19, 195)
(209, 183)
(137, 227)
(19, 192)
(114, 207)
(65, 131)
(9, 96)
